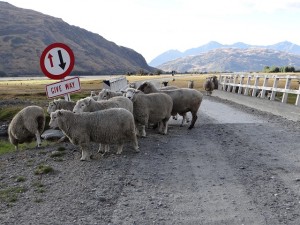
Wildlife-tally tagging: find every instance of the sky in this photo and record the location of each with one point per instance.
(152, 27)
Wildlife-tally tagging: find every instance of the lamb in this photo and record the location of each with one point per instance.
(184, 100)
(208, 86)
(106, 94)
(88, 104)
(60, 104)
(152, 108)
(27, 124)
(110, 126)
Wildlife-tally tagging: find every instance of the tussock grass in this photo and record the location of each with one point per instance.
(43, 169)
(10, 194)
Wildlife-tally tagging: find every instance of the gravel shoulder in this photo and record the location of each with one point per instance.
(237, 166)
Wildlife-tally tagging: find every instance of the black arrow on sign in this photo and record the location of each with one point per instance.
(61, 60)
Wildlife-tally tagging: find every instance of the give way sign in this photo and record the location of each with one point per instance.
(57, 61)
(63, 87)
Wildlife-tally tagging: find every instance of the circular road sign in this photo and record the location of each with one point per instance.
(57, 61)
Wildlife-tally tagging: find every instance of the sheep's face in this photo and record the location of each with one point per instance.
(51, 107)
(103, 95)
(53, 121)
(130, 93)
(81, 106)
(146, 87)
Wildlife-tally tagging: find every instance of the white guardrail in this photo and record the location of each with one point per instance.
(249, 84)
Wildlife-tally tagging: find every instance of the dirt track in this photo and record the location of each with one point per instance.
(237, 166)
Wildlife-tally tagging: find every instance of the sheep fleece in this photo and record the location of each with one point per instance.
(25, 124)
(111, 126)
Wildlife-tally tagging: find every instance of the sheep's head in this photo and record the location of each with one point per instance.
(54, 118)
(82, 105)
(51, 107)
(131, 93)
(147, 87)
(103, 94)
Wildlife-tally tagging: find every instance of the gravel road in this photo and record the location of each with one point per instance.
(237, 166)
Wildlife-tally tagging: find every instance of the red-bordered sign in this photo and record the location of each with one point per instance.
(63, 87)
(57, 61)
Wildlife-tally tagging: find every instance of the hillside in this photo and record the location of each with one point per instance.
(232, 59)
(285, 46)
(24, 34)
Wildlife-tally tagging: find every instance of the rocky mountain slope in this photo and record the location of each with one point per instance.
(233, 60)
(285, 46)
(24, 34)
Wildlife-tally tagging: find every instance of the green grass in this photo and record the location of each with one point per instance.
(9, 112)
(20, 179)
(11, 194)
(43, 169)
(6, 147)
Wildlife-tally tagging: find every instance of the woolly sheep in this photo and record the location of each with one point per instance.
(208, 86)
(27, 124)
(88, 104)
(184, 100)
(152, 108)
(60, 104)
(106, 94)
(110, 126)
(215, 81)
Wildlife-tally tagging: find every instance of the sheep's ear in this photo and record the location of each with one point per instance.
(122, 91)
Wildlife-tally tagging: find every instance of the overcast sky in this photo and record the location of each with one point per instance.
(152, 27)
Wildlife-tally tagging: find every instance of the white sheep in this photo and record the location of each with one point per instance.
(184, 100)
(27, 124)
(60, 104)
(209, 86)
(106, 94)
(110, 126)
(152, 108)
(88, 104)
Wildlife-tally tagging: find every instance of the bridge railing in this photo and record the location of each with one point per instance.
(263, 86)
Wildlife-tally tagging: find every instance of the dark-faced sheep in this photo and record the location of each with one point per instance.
(208, 86)
(184, 100)
(110, 126)
(26, 125)
(152, 108)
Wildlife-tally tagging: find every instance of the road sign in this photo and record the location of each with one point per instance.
(57, 61)
(63, 87)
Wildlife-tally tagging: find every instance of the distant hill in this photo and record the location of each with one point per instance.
(24, 34)
(232, 60)
(175, 54)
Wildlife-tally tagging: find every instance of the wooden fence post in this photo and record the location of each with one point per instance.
(287, 86)
(255, 86)
(273, 94)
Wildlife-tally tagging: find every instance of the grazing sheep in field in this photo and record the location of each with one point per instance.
(184, 100)
(106, 94)
(60, 104)
(27, 124)
(110, 126)
(152, 108)
(208, 86)
(88, 104)
(216, 82)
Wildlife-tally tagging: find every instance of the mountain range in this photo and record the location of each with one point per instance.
(283, 47)
(24, 34)
(232, 60)
(268, 55)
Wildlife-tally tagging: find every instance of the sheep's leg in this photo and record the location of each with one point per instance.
(143, 131)
(100, 150)
(120, 149)
(135, 143)
(106, 148)
(194, 118)
(165, 126)
(85, 155)
(38, 139)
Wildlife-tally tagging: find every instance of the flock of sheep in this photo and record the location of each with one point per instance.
(111, 118)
